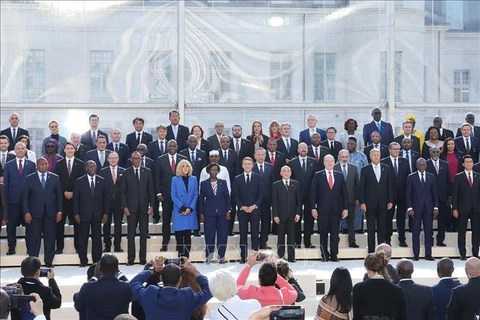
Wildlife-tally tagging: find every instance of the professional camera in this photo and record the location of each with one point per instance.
(288, 313)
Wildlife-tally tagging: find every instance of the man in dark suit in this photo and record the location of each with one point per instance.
(120, 148)
(350, 174)
(400, 171)
(89, 138)
(69, 169)
(138, 136)
(80, 148)
(90, 208)
(439, 168)
(329, 203)
(14, 131)
(408, 133)
(42, 207)
(286, 144)
(444, 133)
(145, 161)
(243, 147)
(5, 156)
(158, 147)
(113, 176)
(265, 171)
(419, 298)
(197, 158)
(333, 146)
(286, 209)
(177, 131)
(409, 154)
(475, 130)
(303, 169)
(99, 155)
(317, 151)
(384, 128)
(422, 207)
(165, 168)
(312, 128)
(228, 159)
(442, 291)
(275, 158)
(215, 139)
(376, 197)
(384, 152)
(14, 175)
(248, 194)
(466, 205)
(464, 303)
(391, 270)
(466, 144)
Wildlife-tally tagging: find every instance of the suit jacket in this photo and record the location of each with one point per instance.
(464, 302)
(322, 152)
(113, 191)
(20, 132)
(384, 152)
(8, 157)
(247, 194)
(214, 144)
(420, 195)
(280, 161)
(246, 150)
(442, 292)
(419, 299)
(304, 178)
(476, 132)
(293, 152)
(3, 203)
(337, 146)
(39, 201)
(93, 155)
(137, 195)
(86, 138)
(386, 132)
(154, 149)
(400, 181)
(444, 185)
(286, 204)
(352, 181)
(61, 169)
(262, 145)
(81, 151)
(267, 180)
(201, 161)
(211, 204)
(414, 155)
(230, 164)
(474, 147)
(325, 200)
(149, 163)
(182, 136)
(131, 140)
(376, 194)
(90, 207)
(464, 198)
(124, 152)
(205, 146)
(446, 133)
(415, 142)
(14, 182)
(304, 136)
(164, 174)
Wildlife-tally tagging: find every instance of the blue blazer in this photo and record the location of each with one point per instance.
(267, 180)
(211, 204)
(474, 147)
(13, 181)
(88, 206)
(182, 199)
(444, 185)
(386, 132)
(441, 296)
(329, 201)
(421, 195)
(39, 201)
(247, 195)
(305, 136)
(93, 155)
(131, 140)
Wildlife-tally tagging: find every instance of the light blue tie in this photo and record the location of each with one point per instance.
(102, 158)
(43, 181)
(377, 173)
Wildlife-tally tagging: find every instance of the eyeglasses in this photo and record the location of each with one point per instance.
(50, 146)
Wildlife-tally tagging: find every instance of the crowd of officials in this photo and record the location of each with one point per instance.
(270, 182)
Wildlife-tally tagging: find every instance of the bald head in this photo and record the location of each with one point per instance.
(385, 248)
(405, 269)
(472, 267)
(445, 268)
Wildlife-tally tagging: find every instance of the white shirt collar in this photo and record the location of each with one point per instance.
(17, 158)
(466, 172)
(72, 159)
(172, 155)
(137, 132)
(420, 174)
(393, 159)
(286, 181)
(40, 174)
(113, 168)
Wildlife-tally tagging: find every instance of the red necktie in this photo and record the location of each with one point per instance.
(272, 158)
(20, 167)
(330, 180)
(173, 165)
(470, 181)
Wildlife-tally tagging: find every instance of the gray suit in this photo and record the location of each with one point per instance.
(352, 190)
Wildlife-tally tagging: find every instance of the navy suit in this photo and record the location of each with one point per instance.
(115, 213)
(123, 152)
(132, 142)
(304, 135)
(246, 150)
(279, 162)
(43, 204)
(322, 152)
(413, 155)
(93, 155)
(419, 300)
(248, 194)
(14, 184)
(214, 208)
(442, 292)
(265, 208)
(464, 303)
(337, 146)
(475, 130)
(462, 148)
(384, 151)
(145, 162)
(292, 152)
(20, 132)
(231, 165)
(182, 136)
(81, 150)
(415, 142)
(154, 149)
(86, 138)
(200, 162)
(422, 197)
(214, 142)
(386, 132)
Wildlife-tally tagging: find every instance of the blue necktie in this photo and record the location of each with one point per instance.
(43, 181)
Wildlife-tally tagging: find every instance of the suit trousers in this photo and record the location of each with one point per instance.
(15, 217)
(376, 219)
(216, 227)
(233, 214)
(329, 223)
(443, 212)
(115, 215)
(184, 242)
(60, 227)
(244, 219)
(351, 224)
(401, 208)
(44, 225)
(167, 208)
(266, 222)
(287, 227)
(96, 229)
(462, 230)
(308, 222)
(156, 211)
(140, 219)
(427, 219)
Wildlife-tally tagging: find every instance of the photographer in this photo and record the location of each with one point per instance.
(36, 306)
(170, 301)
(52, 299)
(284, 271)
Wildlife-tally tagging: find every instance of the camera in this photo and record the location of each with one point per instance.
(178, 261)
(44, 272)
(288, 313)
(12, 289)
(20, 301)
(261, 256)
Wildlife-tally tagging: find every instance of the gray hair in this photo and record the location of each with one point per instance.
(222, 285)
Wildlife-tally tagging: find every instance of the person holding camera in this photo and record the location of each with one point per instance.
(267, 294)
(170, 301)
(284, 271)
(36, 306)
(51, 296)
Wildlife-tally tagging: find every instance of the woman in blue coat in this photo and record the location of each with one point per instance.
(214, 211)
(184, 216)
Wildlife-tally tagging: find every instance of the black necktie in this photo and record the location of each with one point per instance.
(137, 175)
(248, 178)
(304, 165)
(138, 138)
(423, 179)
(261, 169)
(92, 186)
(331, 145)
(395, 166)
(162, 149)
(116, 147)
(286, 185)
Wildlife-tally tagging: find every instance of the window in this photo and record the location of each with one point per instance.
(34, 82)
(461, 85)
(324, 64)
(100, 64)
(398, 76)
(281, 77)
(160, 76)
(454, 14)
(219, 75)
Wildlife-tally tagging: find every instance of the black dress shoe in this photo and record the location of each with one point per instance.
(231, 234)
(148, 236)
(118, 250)
(58, 251)
(222, 261)
(130, 263)
(143, 262)
(163, 249)
(107, 249)
(403, 244)
(10, 252)
(463, 258)
(82, 264)
(156, 220)
(292, 260)
(415, 258)
(334, 259)
(310, 246)
(298, 246)
(353, 245)
(429, 258)
(441, 244)
(324, 259)
(196, 234)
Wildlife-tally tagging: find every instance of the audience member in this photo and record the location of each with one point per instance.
(390, 269)
(284, 271)
(442, 291)
(337, 303)
(189, 281)
(464, 303)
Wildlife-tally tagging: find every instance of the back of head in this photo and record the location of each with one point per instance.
(283, 268)
(222, 285)
(109, 265)
(472, 267)
(189, 280)
(30, 266)
(376, 262)
(267, 275)
(405, 269)
(341, 288)
(386, 249)
(4, 304)
(125, 316)
(445, 267)
(171, 274)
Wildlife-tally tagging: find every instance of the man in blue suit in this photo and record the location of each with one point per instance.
(138, 136)
(120, 148)
(42, 206)
(442, 291)
(248, 194)
(466, 144)
(14, 175)
(422, 206)
(312, 128)
(99, 155)
(377, 124)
